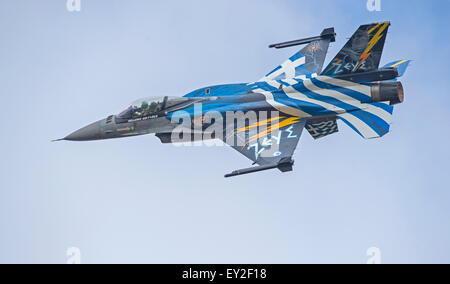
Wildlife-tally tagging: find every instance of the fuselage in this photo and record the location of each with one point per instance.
(310, 98)
(264, 120)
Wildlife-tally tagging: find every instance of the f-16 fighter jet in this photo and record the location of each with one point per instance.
(264, 120)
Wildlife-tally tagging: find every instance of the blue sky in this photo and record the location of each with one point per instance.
(136, 200)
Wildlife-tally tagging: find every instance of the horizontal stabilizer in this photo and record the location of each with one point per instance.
(400, 65)
(372, 122)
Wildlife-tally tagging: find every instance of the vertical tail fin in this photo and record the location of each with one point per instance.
(362, 53)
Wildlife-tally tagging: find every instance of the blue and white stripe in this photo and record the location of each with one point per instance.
(351, 102)
(291, 68)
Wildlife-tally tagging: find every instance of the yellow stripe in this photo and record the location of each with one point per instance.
(279, 125)
(401, 62)
(374, 28)
(375, 39)
(257, 124)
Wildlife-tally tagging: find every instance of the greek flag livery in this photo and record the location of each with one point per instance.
(268, 115)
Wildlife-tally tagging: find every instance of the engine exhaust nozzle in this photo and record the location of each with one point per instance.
(391, 92)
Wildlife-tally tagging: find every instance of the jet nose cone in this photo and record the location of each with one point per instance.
(90, 132)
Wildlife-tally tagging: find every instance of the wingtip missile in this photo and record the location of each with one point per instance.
(326, 34)
(284, 165)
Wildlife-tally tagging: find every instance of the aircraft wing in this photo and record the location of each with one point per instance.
(270, 143)
(305, 63)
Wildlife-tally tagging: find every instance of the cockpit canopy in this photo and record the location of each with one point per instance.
(150, 106)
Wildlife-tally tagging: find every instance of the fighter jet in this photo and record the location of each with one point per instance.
(263, 120)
